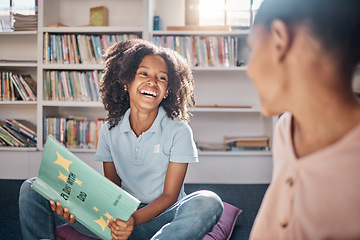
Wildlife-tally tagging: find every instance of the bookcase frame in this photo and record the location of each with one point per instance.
(214, 86)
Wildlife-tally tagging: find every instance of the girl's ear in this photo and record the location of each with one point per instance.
(166, 94)
(282, 38)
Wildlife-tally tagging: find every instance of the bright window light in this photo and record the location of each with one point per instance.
(4, 7)
(211, 12)
(26, 7)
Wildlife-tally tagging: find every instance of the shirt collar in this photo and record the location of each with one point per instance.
(155, 127)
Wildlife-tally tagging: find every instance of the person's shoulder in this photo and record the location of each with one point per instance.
(283, 127)
(284, 121)
(105, 126)
(175, 125)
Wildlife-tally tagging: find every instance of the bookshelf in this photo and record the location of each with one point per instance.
(19, 60)
(121, 21)
(227, 102)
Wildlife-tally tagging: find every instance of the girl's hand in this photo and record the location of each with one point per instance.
(56, 207)
(121, 230)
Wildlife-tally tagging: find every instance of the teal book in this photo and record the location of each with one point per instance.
(90, 196)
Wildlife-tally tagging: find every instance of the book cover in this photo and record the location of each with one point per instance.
(31, 83)
(90, 196)
(249, 141)
(14, 83)
(27, 88)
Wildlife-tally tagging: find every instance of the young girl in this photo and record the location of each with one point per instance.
(303, 57)
(145, 147)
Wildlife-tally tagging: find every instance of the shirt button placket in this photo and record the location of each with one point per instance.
(137, 154)
(290, 183)
(284, 223)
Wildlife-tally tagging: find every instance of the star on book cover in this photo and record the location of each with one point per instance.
(90, 196)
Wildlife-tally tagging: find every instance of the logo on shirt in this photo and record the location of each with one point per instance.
(157, 148)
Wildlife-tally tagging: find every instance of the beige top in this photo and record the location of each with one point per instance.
(313, 197)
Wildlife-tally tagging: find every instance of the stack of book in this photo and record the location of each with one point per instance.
(25, 22)
(18, 133)
(212, 146)
(17, 87)
(252, 143)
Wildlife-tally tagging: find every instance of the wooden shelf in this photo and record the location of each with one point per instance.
(20, 149)
(225, 109)
(89, 104)
(234, 153)
(65, 66)
(240, 69)
(91, 29)
(220, 33)
(18, 64)
(18, 102)
(19, 33)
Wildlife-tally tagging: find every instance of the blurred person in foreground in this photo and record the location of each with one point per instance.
(303, 58)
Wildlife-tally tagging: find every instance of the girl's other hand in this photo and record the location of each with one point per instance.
(56, 207)
(121, 230)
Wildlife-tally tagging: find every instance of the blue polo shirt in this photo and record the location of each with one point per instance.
(141, 162)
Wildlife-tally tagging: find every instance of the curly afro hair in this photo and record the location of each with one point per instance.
(121, 63)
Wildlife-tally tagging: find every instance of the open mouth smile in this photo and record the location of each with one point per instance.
(148, 93)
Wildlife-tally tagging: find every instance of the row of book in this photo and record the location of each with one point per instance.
(15, 87)
(72, 85)
(79, 48)
(253, 143)
(17, 133)
(73, 132)
(204, 51)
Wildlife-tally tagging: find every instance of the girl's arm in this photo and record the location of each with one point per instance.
(174, 179)
(110, 173)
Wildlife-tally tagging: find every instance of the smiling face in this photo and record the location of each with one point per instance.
(149, 87)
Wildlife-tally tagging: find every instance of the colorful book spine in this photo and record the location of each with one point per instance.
(73, 132)
(204, 51)
(79, 48)
(14, 87)
(72, 85)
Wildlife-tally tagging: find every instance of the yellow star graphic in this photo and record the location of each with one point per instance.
(101, 222)
(77, 181)
(62, 176)
(96, 209)
(108, 215)
(63, 162)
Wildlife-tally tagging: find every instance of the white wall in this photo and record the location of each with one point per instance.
(250, 169)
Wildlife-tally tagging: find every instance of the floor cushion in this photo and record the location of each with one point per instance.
(222, 230)
(67, 232)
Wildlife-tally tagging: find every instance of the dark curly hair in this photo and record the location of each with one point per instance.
(121, 63)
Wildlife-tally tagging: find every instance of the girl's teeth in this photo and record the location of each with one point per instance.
(148, 92)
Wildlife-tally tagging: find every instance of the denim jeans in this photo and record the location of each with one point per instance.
(190, 218)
